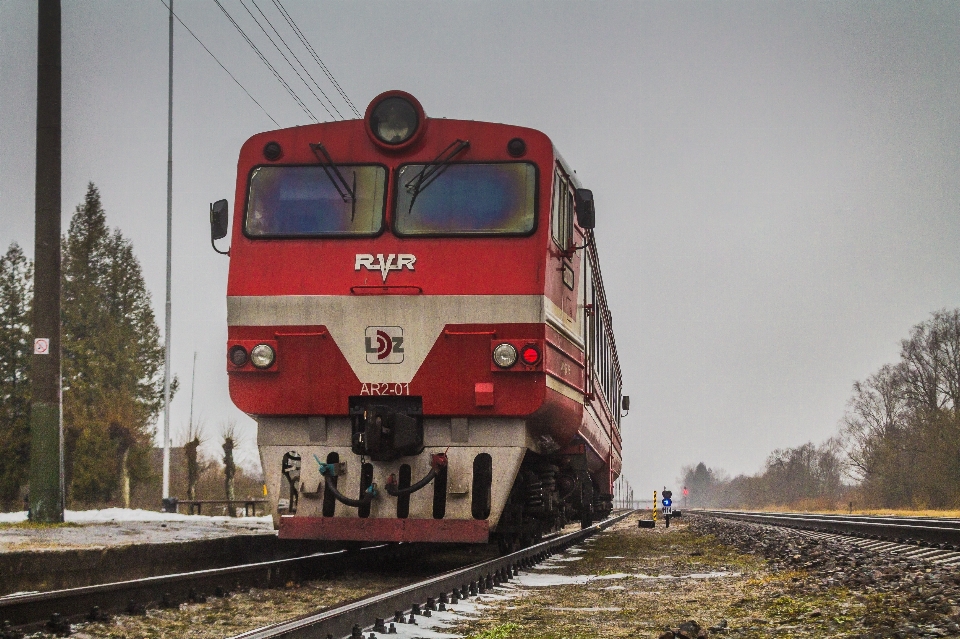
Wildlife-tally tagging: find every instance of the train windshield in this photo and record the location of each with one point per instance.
(309, 201)
(467, 199)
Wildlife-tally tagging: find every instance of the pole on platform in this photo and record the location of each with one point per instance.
(46, 412)
(166, 331)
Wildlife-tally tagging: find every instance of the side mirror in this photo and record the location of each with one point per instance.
(219, 223)
(586, 214)
(625, 403)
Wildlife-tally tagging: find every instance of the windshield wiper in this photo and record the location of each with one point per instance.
(433, 170)
(347, 193)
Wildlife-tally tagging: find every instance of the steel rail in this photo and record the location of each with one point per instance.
(368, 614)
(926, 530)
(135, 595)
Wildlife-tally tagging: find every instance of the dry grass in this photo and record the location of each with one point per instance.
(879, 512)
(645, 593)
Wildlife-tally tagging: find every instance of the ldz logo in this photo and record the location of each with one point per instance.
(384, 344)
(385, 263)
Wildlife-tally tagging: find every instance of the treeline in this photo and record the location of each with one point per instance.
(807, 477)
(898, 444)
(112, 359)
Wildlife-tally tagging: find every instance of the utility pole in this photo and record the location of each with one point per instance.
(166, 332)
(46, 410)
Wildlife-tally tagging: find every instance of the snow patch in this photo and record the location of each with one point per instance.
(128, 514)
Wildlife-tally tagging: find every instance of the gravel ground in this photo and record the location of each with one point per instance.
(704, 577)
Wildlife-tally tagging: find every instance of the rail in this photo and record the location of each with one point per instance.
(136, 595)
(933, 531)
(369, 613)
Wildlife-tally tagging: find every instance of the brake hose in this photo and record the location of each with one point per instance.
(368, 494)
(437, 462)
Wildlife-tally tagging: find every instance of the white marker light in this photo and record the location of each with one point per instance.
(262, 356)
(505, 355)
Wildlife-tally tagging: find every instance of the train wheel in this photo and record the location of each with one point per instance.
(586, 503)
(508, 544)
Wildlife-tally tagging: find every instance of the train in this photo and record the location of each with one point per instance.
(416, 320)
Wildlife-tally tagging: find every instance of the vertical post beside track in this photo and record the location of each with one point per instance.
(46, 413)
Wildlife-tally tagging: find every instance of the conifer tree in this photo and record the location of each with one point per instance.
(15, 296)
(112, 359)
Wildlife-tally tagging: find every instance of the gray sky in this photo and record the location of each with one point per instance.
(777, 184)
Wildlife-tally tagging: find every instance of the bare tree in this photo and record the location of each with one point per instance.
(876, 413)
(228, 432)
(921, 366)
(193, 439)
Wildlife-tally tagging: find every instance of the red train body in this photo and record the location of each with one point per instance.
(417, 322)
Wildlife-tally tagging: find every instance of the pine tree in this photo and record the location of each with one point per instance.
(15, 295)
(112, 359)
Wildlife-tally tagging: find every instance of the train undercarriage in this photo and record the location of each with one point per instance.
(455, 480)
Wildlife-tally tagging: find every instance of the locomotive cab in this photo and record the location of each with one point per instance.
(417, 322)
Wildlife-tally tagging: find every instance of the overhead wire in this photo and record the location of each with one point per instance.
(303, 40)
(220, 63)
(276, 74)
(294, 55)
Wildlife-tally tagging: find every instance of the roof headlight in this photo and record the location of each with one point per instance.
(394, 120)
(505, 355)
(262, 356)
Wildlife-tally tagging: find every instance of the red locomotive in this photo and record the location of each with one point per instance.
(417, 322)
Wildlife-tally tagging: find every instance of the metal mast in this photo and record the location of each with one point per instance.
(46, 413)
(166, 334)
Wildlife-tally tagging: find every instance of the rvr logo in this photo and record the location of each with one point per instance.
(392, 262)
(384, 344)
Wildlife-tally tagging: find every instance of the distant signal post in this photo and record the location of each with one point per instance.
(46, 414)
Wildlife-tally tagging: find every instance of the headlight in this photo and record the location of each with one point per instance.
(505, 355)
(238, 356)
(262, 356)
(394, 120)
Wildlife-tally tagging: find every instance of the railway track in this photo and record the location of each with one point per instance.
(931, 538)
(372, 616)
(55, 610)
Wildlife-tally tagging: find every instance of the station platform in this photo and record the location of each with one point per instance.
(111, 527)
(116, 544)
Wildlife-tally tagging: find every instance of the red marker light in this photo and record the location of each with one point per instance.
(238, 356)
(530, 355)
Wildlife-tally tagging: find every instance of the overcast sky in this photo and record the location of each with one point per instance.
(777, 184)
